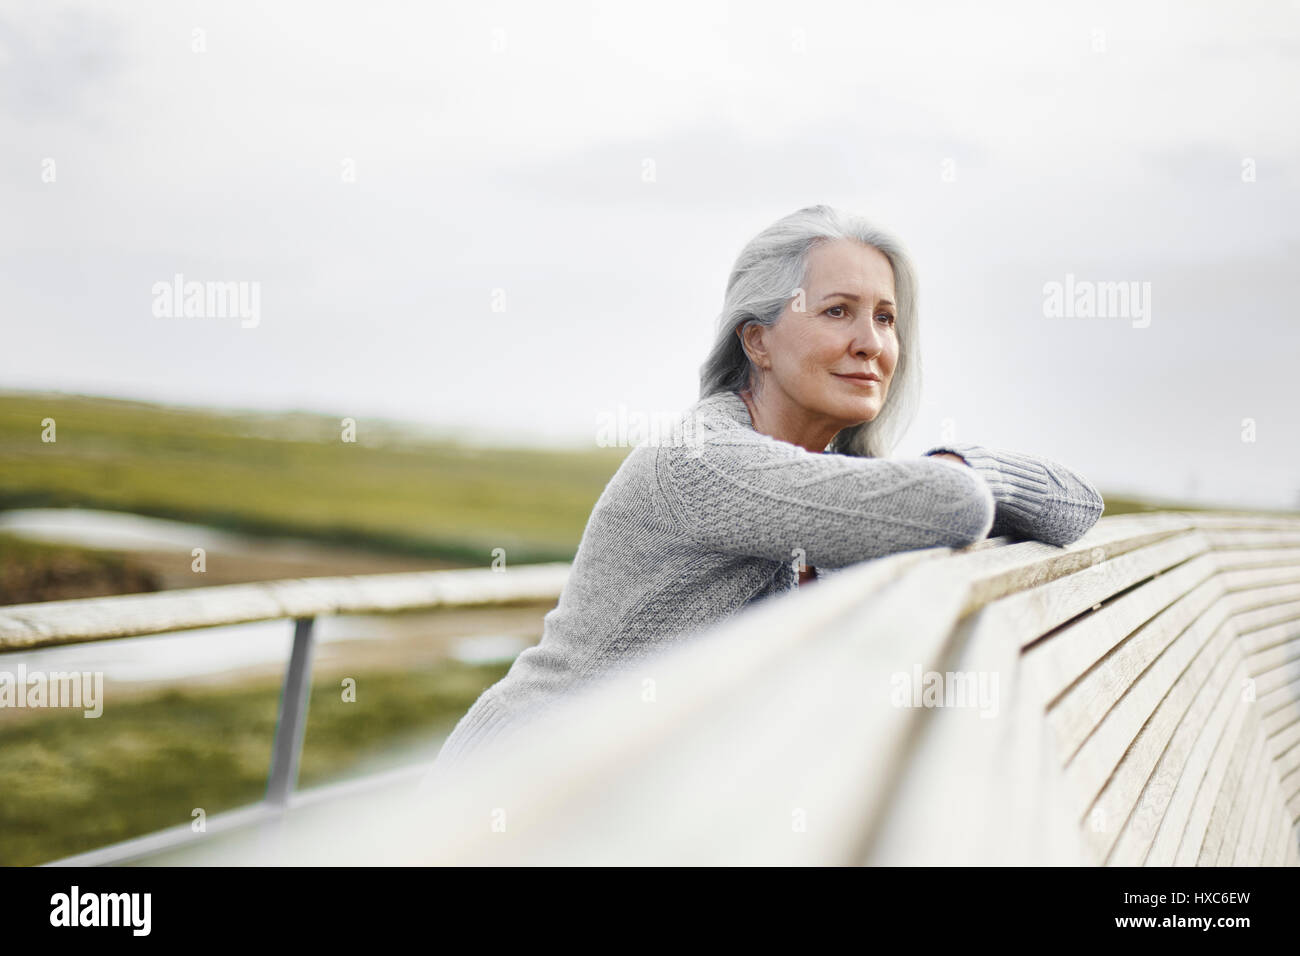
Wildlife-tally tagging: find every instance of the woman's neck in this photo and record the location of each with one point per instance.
(785, 427)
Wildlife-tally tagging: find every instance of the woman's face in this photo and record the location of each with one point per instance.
(846, 328)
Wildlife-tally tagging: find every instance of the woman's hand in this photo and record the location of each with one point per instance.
(1035, 498)
(951, 457)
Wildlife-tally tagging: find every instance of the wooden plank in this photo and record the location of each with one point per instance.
(1221, 521)
(1045, 605)
(1290, 788)
(1182, 847)
(1278, 833)
(1287, 761)
(1060, 661)
(1281, 726)
(1234, 783)
(1279, 561)
(919, 825)
(1203, 770)
(1244, 579)
(1222, 540)
(1286, 738)
(1277, 686)
(51, 623)
(1271, 835)
(1012, 817)
(1256, 637)
(813, 737)
(1039, 794)
(1023, 569)
(1281, 833)
(961, 748)
(1079, 711)
(1274, 663)
(1268, 606)
(1288, 764)
(1275, 839)
(1182, 764)
(1254, 552)
(1103, 712)
(1279, 707)
(1244, 805)
(954, 751)
(1290, 843)
(1284, 575)
(1239, 846)
(1260, 848)
(1089, 766)
(1235, 802)
(1119, 795)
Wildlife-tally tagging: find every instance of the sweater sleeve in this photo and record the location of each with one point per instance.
(741, 492)
(1035, 498)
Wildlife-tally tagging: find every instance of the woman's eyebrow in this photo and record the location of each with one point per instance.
(853, 296)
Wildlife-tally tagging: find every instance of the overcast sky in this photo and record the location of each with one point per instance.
(379, 169)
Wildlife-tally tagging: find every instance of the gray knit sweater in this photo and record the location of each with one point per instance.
(692, 529)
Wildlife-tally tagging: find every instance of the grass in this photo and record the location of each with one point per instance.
(35, 571)
(73, 784)
(293, 475)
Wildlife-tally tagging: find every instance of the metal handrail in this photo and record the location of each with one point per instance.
(122, 617)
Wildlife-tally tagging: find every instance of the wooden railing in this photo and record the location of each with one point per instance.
(26, 627)
(1132, 698)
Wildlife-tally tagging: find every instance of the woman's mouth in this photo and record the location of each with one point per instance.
(859, 378)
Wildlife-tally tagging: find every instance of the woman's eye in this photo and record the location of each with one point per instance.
(843, 311)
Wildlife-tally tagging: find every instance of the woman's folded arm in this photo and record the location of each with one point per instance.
(742, 492)
(1036, 498)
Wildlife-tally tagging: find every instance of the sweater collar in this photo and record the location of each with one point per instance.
(733, 406)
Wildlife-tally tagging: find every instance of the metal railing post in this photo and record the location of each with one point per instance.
(292, 723)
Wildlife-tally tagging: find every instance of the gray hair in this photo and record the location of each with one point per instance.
(765, 276)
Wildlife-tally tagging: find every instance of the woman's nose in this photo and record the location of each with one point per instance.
(868, 340)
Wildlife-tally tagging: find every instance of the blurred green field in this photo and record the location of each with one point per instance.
(291, 474)
(72, 784)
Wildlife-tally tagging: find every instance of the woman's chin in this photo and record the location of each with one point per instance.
(859, 412)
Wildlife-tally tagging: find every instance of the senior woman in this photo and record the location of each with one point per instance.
(783, 470)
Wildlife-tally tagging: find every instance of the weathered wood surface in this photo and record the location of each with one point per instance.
(1146, 712)
(49, 623)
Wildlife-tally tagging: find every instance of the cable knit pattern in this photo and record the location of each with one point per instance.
(688, 532)
(1036, 498)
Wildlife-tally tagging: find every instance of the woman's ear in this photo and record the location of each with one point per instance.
(751, 340)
